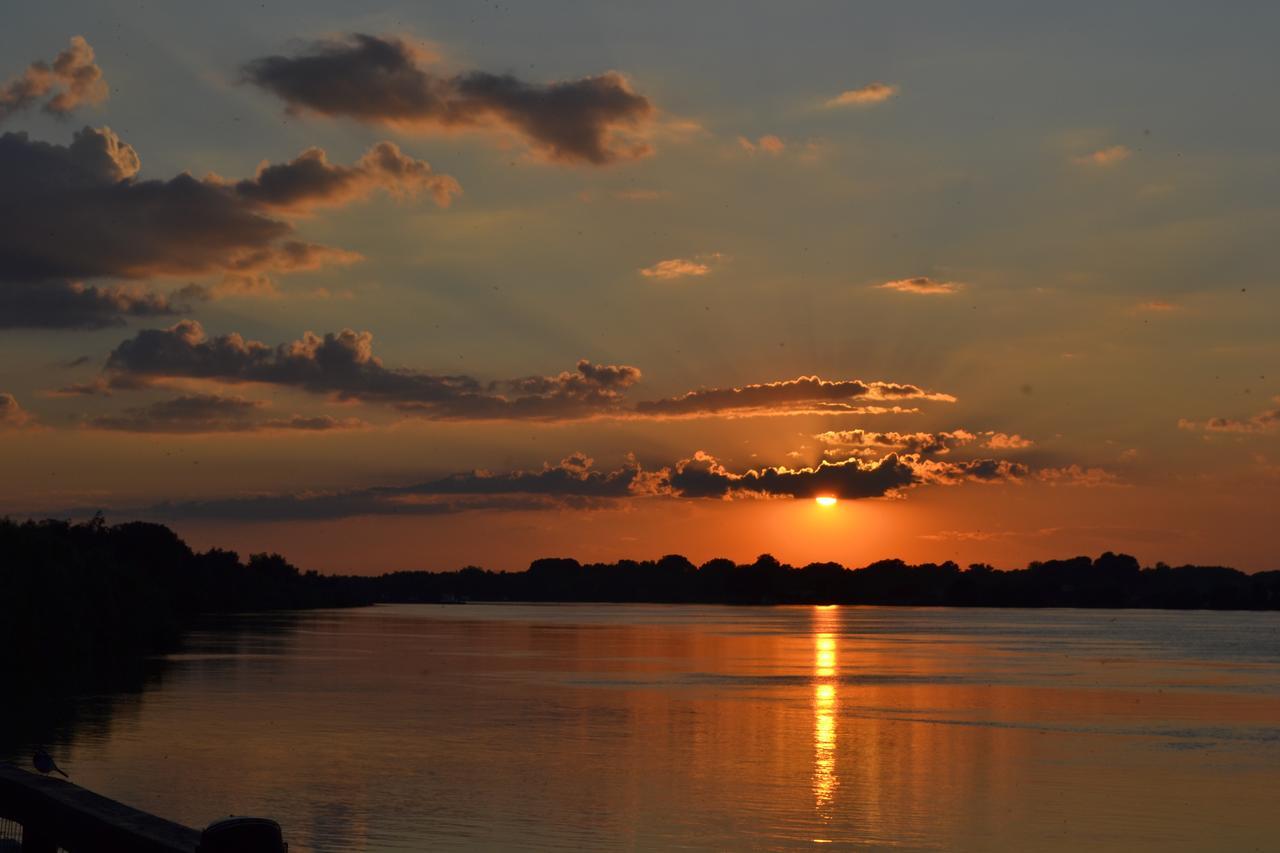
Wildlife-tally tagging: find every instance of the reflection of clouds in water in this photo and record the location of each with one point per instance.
(825, 780)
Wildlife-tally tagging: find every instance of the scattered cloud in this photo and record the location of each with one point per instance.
(343, 364)
(768, 144)
(574, 482)
(310, 181)
(77, 212)
(844, 444)
(1003, 441)
(1076, 475)
(803, 395)
(922, 286)
(12, 414)
(73, 79)
(1104, 157)
(212, 413)
(872, 93)
(673, 268)
(1262, 422)
(73, 305)
(387, 81)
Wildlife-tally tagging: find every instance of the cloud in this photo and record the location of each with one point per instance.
(1076, 475)
(11, 414)
(872, 93)
(385, 81)
(673, 268)
(72, 305)
(768, 144)
(1104, 157)
(212, 413)
(843, 444)
(343, 364)
(574, 482)
(921, 285)
(77, 212)
(1262, 422)
(1156, 305)
(704, 476)
(803, 395)
(1002, 441)
(310, 181)
(72, 78)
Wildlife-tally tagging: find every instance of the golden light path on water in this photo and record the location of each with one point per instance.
(825, 780)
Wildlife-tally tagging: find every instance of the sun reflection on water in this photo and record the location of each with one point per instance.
(825, 780)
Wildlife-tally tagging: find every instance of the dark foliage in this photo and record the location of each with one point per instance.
(1111, 580)
(84, 596)
(88, 596)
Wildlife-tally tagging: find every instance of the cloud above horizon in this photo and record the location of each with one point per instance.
(73, 79)
(79, 211)
(11, 413)
(72, 305)
(1105, 157)
(674, 268)
(864, 96)
(922, 286)
(212, 413)
(574, 482)
(385, 80)
(343, 365)
(1263, 422)
(803, 395)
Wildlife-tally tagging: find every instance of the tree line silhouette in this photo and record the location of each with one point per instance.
(83, 595)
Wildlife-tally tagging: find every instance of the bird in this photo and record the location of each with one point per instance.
(45, 764)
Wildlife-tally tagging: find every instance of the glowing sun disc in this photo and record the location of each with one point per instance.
(825, 500)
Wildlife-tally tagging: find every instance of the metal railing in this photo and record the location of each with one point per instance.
(39, 814)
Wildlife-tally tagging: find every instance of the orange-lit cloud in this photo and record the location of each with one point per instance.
(574, 482)
(872, 93)
(1262, 422)
(806, 394)
(343, 364)
(922, 286)
(1105, 156)
(386, 81)
(768, 144)
(1002, 441)
(842, 444)
(676, 268)
(11, 413)
(310, 181)
(1156, 305)
(1076, 475)
(73, 77)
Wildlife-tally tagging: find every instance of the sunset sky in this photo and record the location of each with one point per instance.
(385, 286)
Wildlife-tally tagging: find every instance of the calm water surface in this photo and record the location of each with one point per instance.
(508, 727)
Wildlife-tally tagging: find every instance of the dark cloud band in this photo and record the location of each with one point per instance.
(384, 80)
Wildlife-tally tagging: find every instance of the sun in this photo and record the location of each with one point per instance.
(826, 500)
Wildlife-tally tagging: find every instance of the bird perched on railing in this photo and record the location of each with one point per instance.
(45, 764)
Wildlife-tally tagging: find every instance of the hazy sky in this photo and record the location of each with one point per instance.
(384, 286)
